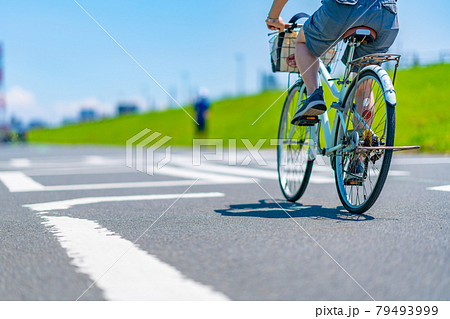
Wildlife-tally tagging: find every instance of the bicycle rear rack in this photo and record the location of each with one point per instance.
(375, 150)
(392, 148)
(374, 59)
(378, 59)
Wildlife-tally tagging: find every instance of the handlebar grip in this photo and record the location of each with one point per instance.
(299, 16)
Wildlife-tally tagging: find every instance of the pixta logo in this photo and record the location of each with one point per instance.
(142, 151)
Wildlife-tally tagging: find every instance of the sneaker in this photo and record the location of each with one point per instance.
(312, 106)
(354, 175)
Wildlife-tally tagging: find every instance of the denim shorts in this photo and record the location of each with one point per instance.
(335, 17)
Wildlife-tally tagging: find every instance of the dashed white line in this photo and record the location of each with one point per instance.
(193, 173)
(233, 170)
(97, 160)
(421, 160)
(393, 172)
(66, 204)
(136, 276)
(444, 188)
(19, 182)
(209, 174)
(80, 171)
(135, 185)
(315, 179)
(20, 162)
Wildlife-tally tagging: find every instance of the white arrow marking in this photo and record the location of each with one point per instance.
(445, 188)
(120, 268)
(66, 204)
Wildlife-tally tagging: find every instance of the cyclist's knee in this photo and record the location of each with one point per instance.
(300, 37)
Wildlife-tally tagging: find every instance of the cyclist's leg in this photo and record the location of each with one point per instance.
(365, 103)
(319, 34)
(385, 23)
(307, 63)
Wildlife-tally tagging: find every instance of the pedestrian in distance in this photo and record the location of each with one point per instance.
(201, 107)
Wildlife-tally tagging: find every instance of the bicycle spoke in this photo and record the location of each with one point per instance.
(365, 108)
(293, 151)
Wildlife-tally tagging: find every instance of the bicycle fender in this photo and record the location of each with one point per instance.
(386, 82)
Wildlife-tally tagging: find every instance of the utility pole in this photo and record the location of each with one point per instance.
(2, 93)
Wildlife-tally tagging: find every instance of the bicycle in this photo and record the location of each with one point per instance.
(363, 128)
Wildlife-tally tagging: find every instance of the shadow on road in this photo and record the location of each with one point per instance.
(270, 209)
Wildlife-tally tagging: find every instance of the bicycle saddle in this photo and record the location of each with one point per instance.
(361, 34)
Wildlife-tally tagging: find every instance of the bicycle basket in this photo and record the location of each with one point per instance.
(282, 54)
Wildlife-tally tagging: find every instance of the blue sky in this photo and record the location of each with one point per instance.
(58, 60)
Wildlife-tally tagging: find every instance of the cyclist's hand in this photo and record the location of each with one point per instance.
(279, 25)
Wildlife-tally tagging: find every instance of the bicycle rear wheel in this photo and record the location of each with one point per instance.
(370, 122)
(294, 164)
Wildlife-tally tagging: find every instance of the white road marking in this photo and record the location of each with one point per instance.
(393, 172)
(321, 174)
(134, 275)
(445, 188)
(421, 160)
(96, 160)
(316, 179)
(66, 204)
(135, 185)
(194, 173)
(80, 171)
(230, 170)
(19, 182)
(39, 163)
(322, 169)
(20, 162)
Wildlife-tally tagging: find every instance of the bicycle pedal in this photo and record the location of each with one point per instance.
(353, 182)
(307, 120)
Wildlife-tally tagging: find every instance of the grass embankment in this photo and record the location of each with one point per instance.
(422, 113)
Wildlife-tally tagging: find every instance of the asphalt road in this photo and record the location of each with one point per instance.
(76, 223)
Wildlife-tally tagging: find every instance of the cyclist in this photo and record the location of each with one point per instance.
(327, 26)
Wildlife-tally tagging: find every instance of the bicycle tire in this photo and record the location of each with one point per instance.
(369, 199)
(293, 184)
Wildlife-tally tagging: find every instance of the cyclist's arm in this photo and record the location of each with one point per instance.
(274, 13)
(277, 6)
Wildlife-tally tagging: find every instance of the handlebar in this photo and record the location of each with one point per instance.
(293, 22)
(287, 27)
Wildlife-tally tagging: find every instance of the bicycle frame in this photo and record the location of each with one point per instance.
(360, 157)
(325, 76)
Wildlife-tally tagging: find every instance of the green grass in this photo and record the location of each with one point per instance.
(422, 113)
(422, 117)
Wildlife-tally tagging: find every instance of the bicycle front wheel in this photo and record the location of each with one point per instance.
(370, 122)
(294, 164)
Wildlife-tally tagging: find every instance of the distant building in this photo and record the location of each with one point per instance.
(87, 115)
(268, 82)
(127, 108)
